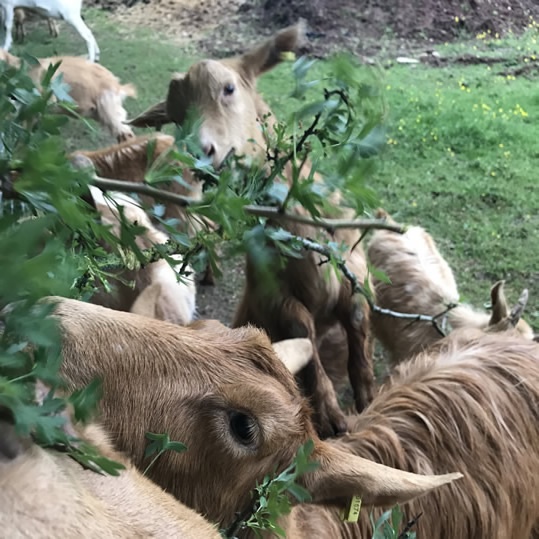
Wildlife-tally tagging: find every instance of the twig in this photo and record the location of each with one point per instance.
(259, 211)
(107, 184)
(411, 523)
(358, 288)
(241, 518)
(329, 224)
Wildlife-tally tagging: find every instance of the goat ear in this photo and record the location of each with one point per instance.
(518, 310)
(270, 53)
(500, 309)
(156, 116)
(177, 98)
(342, 475)
(294, 353)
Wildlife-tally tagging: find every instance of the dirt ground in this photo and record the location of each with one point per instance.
(221, 28)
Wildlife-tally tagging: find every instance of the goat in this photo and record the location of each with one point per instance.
(308, 298)
(47, 494)
(471, 403)
(227, 397)
(19, 16)
(130, 161)
(67, 10)
(157, 293)
(422, 282)
(97, 92)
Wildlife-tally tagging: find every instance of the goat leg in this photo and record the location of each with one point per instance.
(297, 321)
(353, 314)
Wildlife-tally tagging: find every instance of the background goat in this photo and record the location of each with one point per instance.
(157, 292)
(422, 282)
(97, 93)
(67, 10)
(19, 16)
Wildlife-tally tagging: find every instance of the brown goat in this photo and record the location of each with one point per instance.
(130, 161)
(308, 299)
(223, 393)
(156, 293)
(422, 282)
(47, 494)
(96, 92)
(19, 16)
(469, 404)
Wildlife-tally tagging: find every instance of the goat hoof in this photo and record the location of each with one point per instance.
(332, 424)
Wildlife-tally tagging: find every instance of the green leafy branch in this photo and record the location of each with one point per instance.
(272, 497)
(159, 444)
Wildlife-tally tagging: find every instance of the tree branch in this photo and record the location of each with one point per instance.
(358, 288)
(329, 224)
(270, 212)
(107, 184)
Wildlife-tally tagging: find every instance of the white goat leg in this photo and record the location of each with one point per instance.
(93, 49)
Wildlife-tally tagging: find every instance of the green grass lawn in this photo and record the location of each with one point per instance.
(462, 153)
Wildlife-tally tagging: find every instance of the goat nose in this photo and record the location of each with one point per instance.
(209, 149)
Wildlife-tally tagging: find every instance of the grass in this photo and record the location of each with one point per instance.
(461, 158)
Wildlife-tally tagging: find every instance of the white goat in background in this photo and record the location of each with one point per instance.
(67, 10)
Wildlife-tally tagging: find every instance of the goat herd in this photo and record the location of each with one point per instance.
(453, 433)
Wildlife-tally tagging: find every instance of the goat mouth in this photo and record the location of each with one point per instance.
(226, 160)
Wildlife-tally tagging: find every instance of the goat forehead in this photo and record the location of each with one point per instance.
(207, 78)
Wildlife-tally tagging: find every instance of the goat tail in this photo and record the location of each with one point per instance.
(128, 90)
(111, 113)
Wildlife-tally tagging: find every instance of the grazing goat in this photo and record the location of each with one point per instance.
(47, 494)
(308, 298)
(157, 293)
(19, 16)
(67, 10)
(97, 93)
(228, 398)
(130, 161)
(422, 282)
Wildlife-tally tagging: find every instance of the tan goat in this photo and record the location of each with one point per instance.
(223, 393)
(422, 282)
(130, 161)
(157, 293)
(47, 494)
(19, 16)
(470, 403)
(309, 298)
(97, 93)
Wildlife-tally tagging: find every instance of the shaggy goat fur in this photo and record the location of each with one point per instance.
(471, 403)
(225, 394)
(422, 282)
(96, 92)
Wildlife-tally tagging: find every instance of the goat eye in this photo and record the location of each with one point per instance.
(229, 89)
(243, 428)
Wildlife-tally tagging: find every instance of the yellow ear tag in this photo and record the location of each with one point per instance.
(351, 513)
(288, 56)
